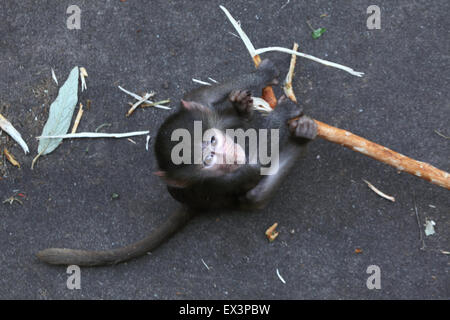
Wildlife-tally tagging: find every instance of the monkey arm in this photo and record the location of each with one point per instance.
(210, 95)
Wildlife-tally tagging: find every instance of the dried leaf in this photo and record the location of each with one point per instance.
(61, 112)
(11, 158)
(8, 127)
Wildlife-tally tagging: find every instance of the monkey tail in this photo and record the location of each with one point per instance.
(99, 258)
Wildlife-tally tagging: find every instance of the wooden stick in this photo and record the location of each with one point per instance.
(288, 81)
(267, 92)
(378, 152)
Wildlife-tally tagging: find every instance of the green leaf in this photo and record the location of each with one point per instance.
(61, 112)
(114, 196)
(318, 32)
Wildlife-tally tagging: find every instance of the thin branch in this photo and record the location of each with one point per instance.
(95, 135)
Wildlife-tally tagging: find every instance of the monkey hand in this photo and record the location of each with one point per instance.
(303, 129)
(242, 102)
(269, 72)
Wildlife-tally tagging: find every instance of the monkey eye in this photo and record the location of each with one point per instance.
(213, 141)
(208, 160)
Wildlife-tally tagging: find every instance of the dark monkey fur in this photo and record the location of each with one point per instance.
(210, 185)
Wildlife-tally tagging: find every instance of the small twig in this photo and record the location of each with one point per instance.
(381, 194)
(443, 136)
(418, 223)
(309, 25)
(280, 277)
(77, 119)
(134, 106)
(147, 140)
(288, 81)
(83, 75)
(11, 200)
(204, 263)
(134, 95)
(201, 82)
(54, 76)
(146, 105)
(11, 158)
(35, 159)
(284, 5)
(102, 126)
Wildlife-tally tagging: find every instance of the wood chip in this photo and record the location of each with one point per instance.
(271, 234)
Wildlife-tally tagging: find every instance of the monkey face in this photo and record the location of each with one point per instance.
(220, 153)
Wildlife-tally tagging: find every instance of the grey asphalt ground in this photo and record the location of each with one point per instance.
(324, 210)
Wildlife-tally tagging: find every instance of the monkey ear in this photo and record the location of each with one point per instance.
(176, 183)
(160, 173)
(192, 105)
